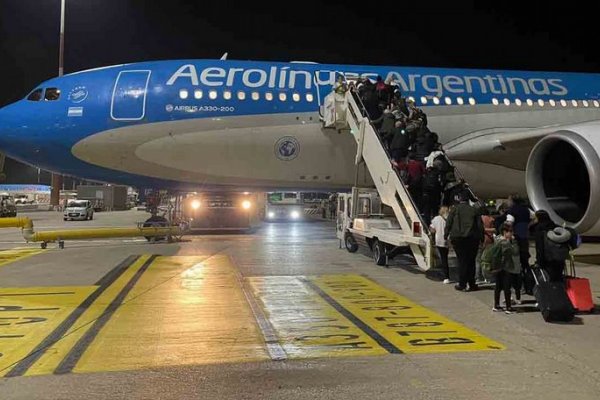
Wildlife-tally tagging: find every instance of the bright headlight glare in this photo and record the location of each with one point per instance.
(295, 214)
(271, 214)
(196, 204)
(246, 204)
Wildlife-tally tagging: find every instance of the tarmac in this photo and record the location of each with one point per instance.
(280, 313)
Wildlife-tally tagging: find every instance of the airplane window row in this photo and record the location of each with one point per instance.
(228, 95)
(508, 102)
(51, 94)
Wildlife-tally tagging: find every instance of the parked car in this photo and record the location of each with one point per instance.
(79, 210)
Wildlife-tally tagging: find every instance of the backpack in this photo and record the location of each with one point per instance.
(555, 252)
(491, 258)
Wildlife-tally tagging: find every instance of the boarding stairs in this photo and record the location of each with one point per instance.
(346, 112)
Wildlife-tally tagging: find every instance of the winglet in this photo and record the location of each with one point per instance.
(224, 56)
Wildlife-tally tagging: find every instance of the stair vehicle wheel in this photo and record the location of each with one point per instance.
(61, 244)
(379, 253)
(350, 243)
(44, 245)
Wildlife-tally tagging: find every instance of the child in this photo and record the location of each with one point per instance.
(437, 227)
(508, 269)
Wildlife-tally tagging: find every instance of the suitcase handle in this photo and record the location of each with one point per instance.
(570, 269)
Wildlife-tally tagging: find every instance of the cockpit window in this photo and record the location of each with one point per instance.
(52, 94)
(36, 95)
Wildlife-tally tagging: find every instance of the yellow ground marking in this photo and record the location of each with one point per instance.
(12, 255)
(56, 353)
(307, 326)
(28, 315)
(408, 326)
(183, 310)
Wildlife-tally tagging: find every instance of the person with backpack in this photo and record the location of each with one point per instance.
(557, 244)
(437, 228)
(465, 230)
(503, 260)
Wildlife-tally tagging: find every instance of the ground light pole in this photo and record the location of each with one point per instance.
(57, 179)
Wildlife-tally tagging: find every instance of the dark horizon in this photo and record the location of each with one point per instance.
(509, 35)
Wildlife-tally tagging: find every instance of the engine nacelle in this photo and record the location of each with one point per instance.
(563, 177)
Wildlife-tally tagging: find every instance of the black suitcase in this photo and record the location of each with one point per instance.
(552, 298)
(529, 280)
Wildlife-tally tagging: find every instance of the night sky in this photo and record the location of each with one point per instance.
(506, 35)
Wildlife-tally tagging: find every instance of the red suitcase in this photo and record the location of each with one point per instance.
(578, 290)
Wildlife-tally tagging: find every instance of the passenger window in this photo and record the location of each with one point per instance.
(36, 95)
(52, 94)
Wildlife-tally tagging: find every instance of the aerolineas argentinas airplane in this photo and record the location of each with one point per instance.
(205, 123)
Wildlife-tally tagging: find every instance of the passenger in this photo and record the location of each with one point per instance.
(488, 239)
(386, 124)
(521, 228)
(416, 170)
(399, 143)
(553, 266)
(425, 143)
(432, 193)
(340, 86)
(437, 228)
(465, 230)
(510, 267)
(379, 83)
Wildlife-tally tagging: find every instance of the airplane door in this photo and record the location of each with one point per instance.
(129, 95)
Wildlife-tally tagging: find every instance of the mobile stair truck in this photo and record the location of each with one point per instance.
(384, 233)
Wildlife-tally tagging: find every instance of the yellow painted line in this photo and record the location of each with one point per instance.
(53, 356)
(28, 315)
(12, 255)
(182, 311)
(408, 326)
(306, 325)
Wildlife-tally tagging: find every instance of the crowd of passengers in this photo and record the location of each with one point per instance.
(414, 150)
(421, 163)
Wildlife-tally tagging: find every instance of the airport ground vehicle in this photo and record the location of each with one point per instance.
(371, 225)
(78, 210)
(221, 211)
(24, 199)
(7, 205)
(284, 206)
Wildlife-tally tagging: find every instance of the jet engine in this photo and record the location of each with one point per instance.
(563, 177)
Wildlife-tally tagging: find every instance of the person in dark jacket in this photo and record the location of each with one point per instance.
(522, 215)
(399, 142)
(465, 230)
(386, 124)
(432, 193)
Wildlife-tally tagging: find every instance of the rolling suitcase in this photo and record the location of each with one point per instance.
(552, 298)
(578, 290)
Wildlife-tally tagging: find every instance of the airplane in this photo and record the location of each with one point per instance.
(246, 125)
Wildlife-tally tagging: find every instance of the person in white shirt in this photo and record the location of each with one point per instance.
(437, 227)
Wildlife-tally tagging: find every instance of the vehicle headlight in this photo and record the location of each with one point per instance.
(196, 204)
(246, 204)
(295, 214)
(271, 214)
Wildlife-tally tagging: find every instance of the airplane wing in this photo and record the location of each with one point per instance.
(509, 147)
